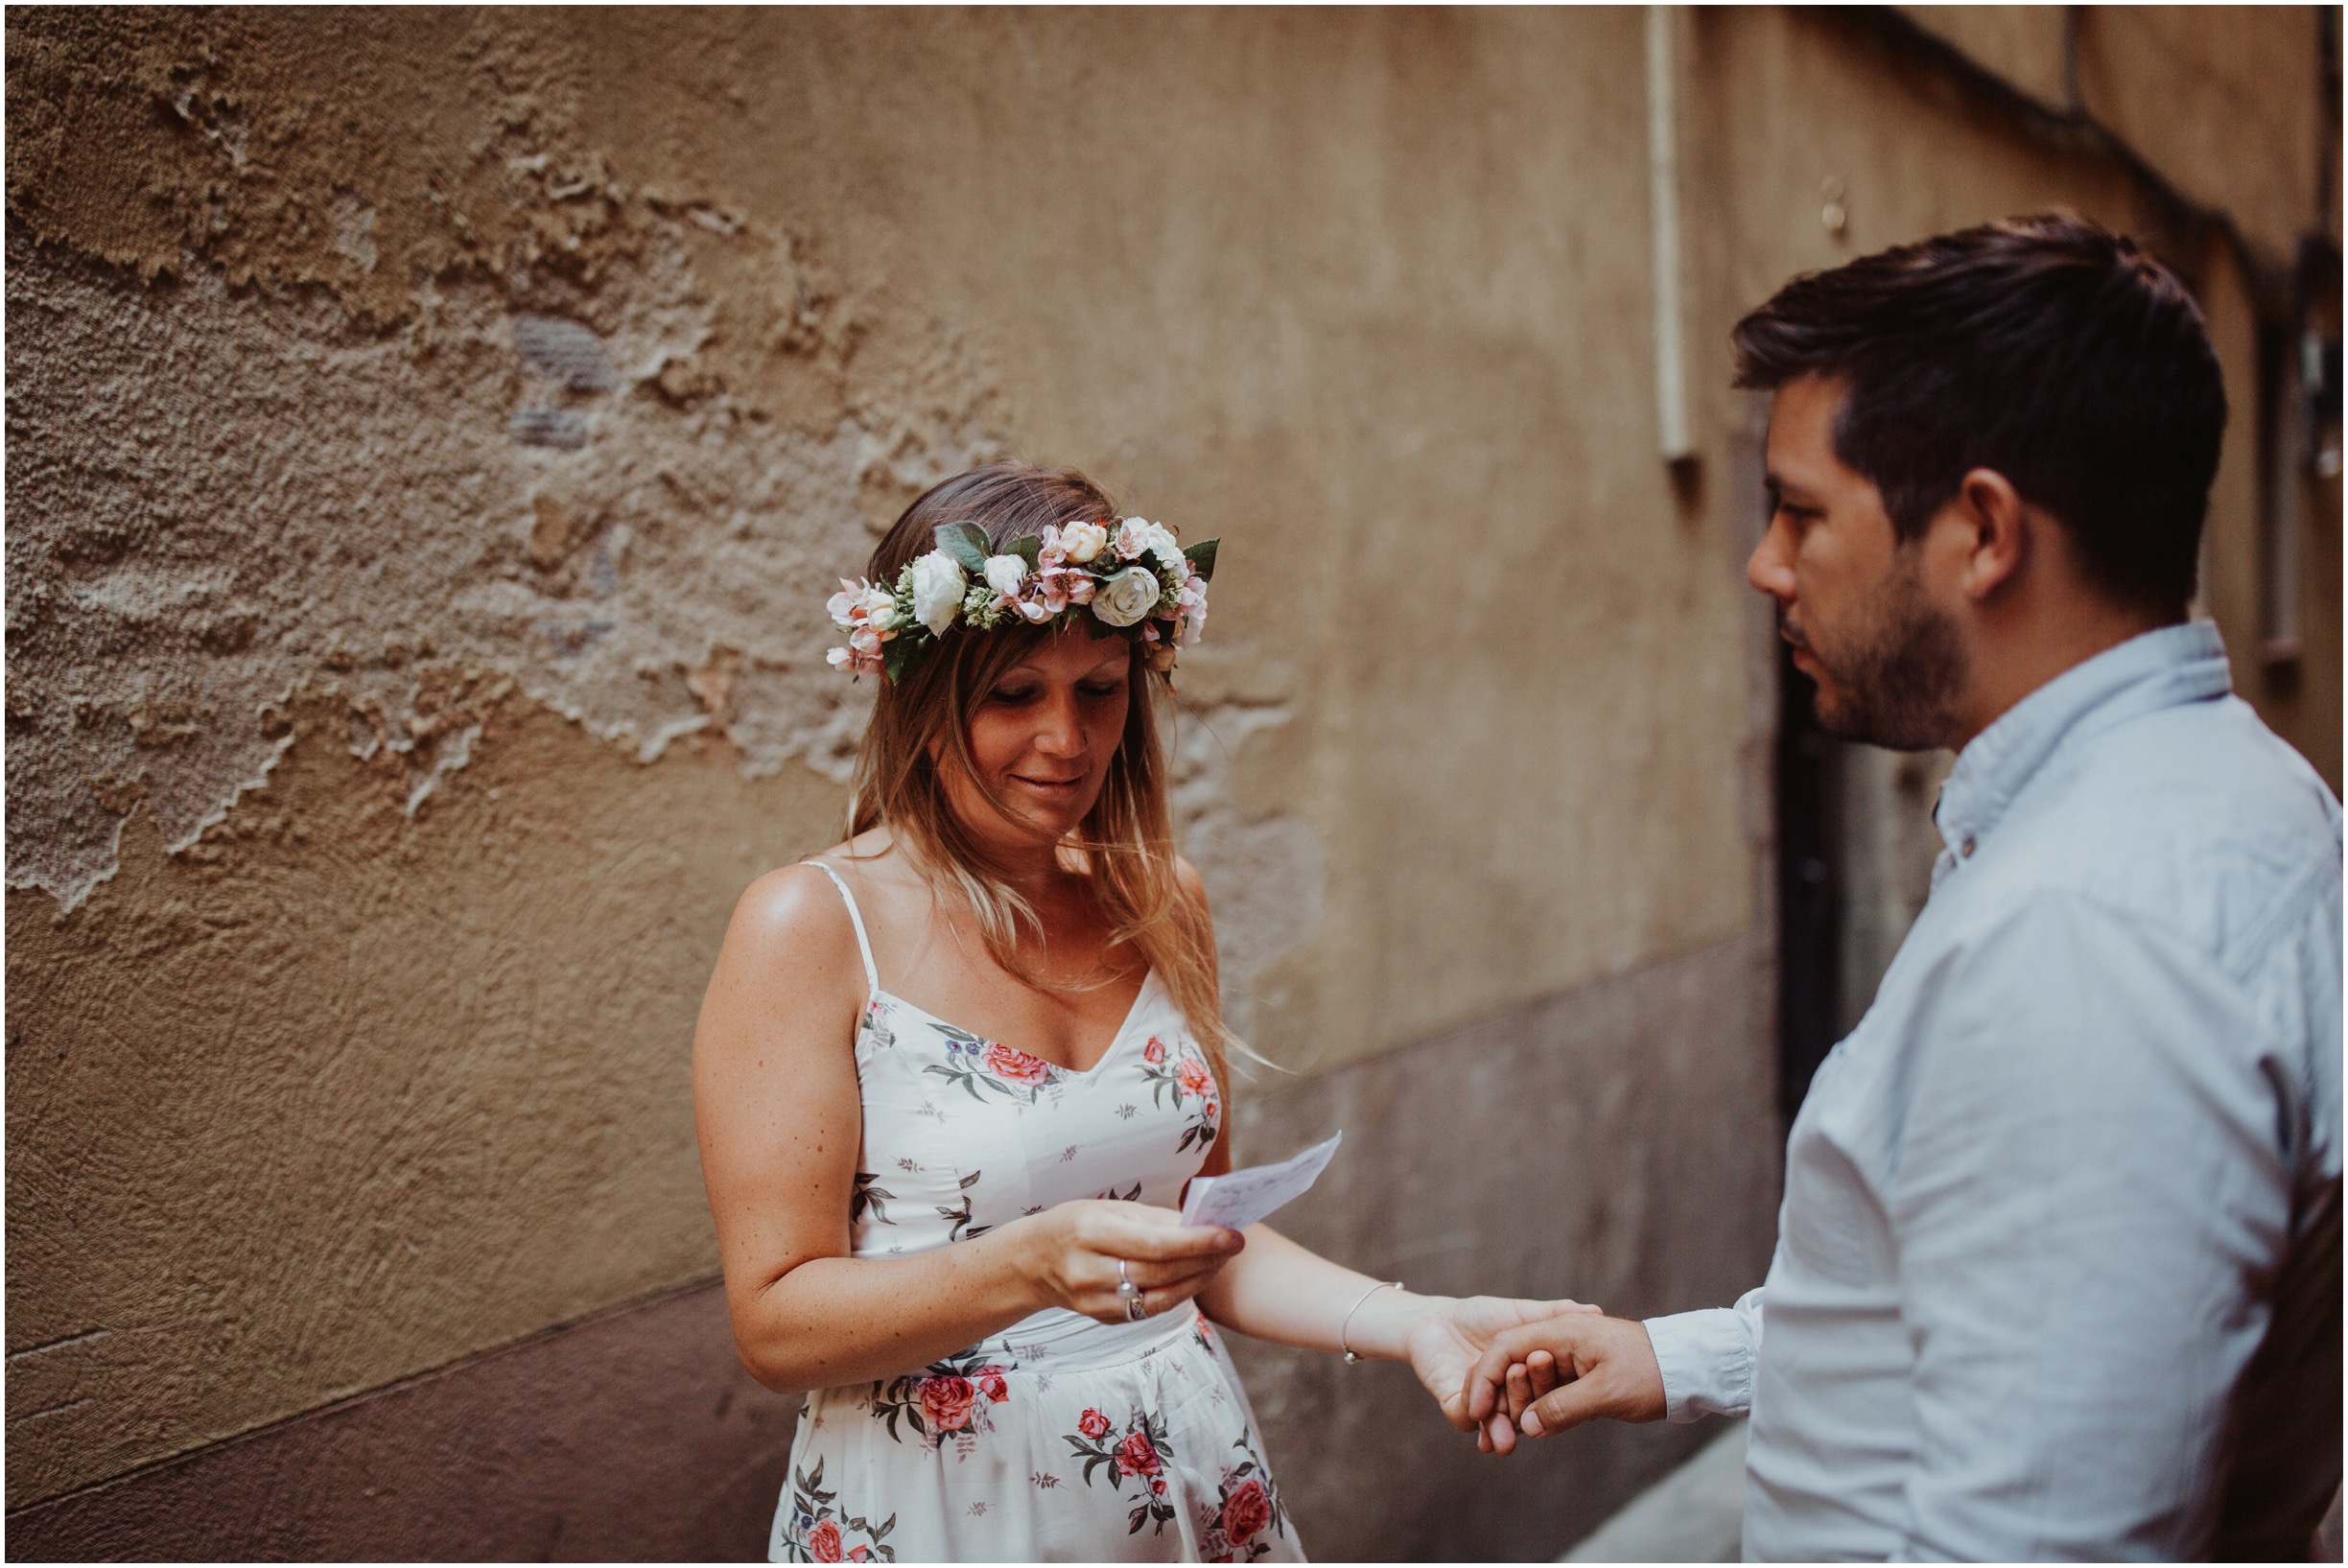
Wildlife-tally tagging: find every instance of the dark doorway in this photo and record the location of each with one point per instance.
(1808, 887)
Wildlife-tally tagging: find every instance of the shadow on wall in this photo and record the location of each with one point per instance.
(636, 1436)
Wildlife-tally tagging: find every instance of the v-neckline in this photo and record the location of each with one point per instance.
(1124, 1028)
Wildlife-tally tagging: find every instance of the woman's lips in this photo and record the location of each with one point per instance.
(1049, 786)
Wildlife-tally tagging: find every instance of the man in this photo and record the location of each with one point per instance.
(2041, 1205)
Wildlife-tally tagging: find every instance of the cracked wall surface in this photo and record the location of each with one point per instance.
(432, 437)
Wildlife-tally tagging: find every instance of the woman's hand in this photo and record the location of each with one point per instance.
(1070, 1254)
(1446, 1345)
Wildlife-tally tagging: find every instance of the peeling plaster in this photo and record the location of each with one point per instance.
(221, 493)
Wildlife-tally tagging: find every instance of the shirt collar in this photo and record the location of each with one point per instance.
(2156, 670)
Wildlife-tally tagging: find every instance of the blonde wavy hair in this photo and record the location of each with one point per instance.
(1125, 845)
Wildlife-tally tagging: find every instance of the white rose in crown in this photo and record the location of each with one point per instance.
(1168, 551)
(1005, 572)
(1127, 596)
(1080, 542)
(939, 583)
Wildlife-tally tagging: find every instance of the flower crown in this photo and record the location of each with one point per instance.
(1135, 576)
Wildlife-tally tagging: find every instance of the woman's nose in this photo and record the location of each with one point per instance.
(1059, 732)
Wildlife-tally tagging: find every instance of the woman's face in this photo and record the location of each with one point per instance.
(1042, 738)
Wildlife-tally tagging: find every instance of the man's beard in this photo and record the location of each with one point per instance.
(1896, 678)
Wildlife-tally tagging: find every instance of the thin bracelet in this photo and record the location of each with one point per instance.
(1350, 1354)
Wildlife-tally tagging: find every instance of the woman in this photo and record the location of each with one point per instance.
(952, 1076)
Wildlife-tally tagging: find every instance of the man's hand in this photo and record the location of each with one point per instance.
(1546, 1378)
(1445, 1344)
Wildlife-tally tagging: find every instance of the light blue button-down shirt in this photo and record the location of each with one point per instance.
(2034, 1202)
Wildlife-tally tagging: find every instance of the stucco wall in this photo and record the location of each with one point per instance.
(432, 435)
(434, 431)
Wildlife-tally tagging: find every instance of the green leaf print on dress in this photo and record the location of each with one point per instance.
(961, 1229)
(820, 1532)
(869, 1197)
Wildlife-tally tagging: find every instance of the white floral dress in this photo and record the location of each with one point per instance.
(1060, 1439)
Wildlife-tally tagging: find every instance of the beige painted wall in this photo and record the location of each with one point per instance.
(1310, 282)
(433, 432)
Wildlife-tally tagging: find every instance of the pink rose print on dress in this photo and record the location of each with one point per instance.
(1137, 1455)
(1015, 1066)
(1140, 1454)
(950, 1398)
(989, 1066)
(947, 1401)
(1232, 1525)
(824, 1542)
(1188, 1078)
(1245, 1512)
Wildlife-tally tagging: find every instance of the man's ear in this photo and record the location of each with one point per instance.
(1996, 527)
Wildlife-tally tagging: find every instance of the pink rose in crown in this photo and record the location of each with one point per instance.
(1137, 1455)
(947, 1401)
(1010, 1063)
(1093, 1424)
(1245, 1512)
(1194, 1076)
(1154, 1052)
(993, 1384)
(824, 1542)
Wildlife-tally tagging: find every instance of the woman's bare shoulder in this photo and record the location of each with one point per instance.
(799, 907)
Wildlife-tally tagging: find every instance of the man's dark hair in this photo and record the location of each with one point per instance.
(2048, 349)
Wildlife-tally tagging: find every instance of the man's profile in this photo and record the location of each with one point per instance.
(2037, 1205)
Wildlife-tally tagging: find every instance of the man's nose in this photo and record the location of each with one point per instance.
(1771, 567)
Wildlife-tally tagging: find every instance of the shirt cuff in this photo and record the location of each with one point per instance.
(1706, 1359)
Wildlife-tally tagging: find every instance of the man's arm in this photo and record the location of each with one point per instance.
(2086, 1196)
(1706, 1358)
(1548, 1376)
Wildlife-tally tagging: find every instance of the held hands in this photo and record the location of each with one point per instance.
(1545, 1377)
(1445, 1344)
(1070, 1252)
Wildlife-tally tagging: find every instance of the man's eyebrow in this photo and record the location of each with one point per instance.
(1781, 489)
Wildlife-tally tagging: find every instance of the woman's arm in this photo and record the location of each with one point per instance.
(1281, 1292)
(780, 1119)
(1284, 1293)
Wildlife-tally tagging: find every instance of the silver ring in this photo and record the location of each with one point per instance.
(1126, 1288)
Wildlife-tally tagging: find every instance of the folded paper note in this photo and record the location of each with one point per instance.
(1243, 1196)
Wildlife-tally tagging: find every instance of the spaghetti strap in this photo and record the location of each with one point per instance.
(855, 918)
